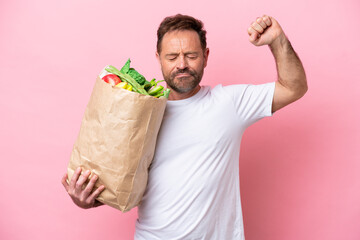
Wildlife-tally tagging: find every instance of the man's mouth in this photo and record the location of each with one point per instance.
(183, 75)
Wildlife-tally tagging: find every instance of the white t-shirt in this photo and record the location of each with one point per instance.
(193, 190)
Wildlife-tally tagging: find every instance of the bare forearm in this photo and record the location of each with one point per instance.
(291, 73)
(291, 84)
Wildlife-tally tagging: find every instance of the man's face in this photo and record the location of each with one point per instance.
(182, 60)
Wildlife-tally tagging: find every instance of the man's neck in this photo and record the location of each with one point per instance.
(173, 96)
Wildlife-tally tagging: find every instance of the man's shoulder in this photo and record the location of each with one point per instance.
(227, 89)
(240, 87)
(239, 92)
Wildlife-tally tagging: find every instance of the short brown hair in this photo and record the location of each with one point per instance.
(181, 22)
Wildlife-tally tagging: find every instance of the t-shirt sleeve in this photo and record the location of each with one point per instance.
(252, 102)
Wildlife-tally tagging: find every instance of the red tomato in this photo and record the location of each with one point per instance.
(112, 79)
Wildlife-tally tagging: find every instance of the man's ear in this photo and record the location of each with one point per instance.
(206, 56)
(157, 56)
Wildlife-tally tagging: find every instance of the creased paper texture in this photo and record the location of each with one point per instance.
(117, 141)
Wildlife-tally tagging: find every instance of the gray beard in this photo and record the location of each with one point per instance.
(188, 87)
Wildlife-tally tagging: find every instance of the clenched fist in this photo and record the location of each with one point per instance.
(265, 30)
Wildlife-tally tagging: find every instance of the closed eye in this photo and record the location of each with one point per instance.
(171, 57)
(192, 56)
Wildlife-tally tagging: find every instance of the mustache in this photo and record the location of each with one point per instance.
(185, 70)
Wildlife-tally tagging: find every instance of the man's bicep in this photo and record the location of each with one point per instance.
(282, 97)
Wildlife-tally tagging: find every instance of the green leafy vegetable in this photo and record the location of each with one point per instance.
(155, 90)
(138, 82)
(166, 93)
(125, 69)
(125, 77)
(137, 76)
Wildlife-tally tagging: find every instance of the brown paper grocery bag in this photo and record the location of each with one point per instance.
(117, 141)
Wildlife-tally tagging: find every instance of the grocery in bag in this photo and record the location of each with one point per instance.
(118, 134)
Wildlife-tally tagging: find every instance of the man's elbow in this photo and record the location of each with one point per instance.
(285, 95)
(297, 91)
(303, 88)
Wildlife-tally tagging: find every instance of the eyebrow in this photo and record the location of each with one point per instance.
(176, 54)
(189, 53)
(171, 54)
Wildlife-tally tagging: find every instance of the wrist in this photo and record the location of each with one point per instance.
(280, 44)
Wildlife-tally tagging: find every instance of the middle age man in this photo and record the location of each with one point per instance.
(193, 190)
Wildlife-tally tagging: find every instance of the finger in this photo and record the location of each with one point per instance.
(80, 182)
(96, 193)
(89, 187)
(253, 37)
(75, 177)
(267, 20)
(251, 31)
(261, 22)
(64, 182)
(257, 27)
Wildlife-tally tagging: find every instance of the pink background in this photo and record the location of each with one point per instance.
(299, 169)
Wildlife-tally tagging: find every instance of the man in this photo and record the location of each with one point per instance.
(193, 188)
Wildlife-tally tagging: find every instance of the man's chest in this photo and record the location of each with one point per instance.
(196, 137)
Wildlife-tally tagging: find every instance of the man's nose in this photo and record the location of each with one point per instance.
(182, 63)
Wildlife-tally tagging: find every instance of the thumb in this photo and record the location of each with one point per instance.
(64, 182)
